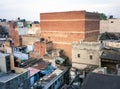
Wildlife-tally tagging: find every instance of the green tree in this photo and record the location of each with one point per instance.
(102, 16)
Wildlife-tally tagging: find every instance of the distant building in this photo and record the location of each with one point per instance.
(31, 41)
(23, 31)
(34, 29)
(27, 28)
(14, 33)
(84, 54)
(110, 25)
(65, 27)
(5, 45)
(17, 29)
(4, 29)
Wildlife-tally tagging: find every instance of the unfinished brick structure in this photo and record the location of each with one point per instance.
(14, 34)
(40, 48)
(63, 28)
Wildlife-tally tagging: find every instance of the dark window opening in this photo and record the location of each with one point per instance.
(111, 21)
(78, 55)
(91, 57)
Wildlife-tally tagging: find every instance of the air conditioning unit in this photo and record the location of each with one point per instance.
(5, 62)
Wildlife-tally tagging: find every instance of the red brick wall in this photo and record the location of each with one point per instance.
(40, 48)
(92, 36)
(91, 26)
(62, 15)
(63, 37)
(65, 27)
(63, 21)
(66, 47)
(89, 15)
(62, 25)
(14, 34)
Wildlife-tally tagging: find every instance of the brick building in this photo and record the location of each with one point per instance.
(40, 48)
(65, 27)
(14, 33)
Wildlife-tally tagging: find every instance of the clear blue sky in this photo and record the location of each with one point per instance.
(31, 9)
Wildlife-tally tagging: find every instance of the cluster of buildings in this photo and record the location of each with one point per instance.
(64, 51)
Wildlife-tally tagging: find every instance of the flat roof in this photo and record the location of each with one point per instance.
(4, 54)
(63, 12)
(8, 76)
(3, 39)
(47, 80)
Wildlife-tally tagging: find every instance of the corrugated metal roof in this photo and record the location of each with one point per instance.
(101, 81)
(111, 54)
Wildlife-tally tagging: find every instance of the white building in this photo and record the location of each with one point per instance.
(84, 54)
(110, 25)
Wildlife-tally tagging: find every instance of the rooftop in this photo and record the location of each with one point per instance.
(4, 77)
(3, 54)
(109, 36)
(3, 39)
(33, 71)
(47, 80)
(101, 81)
(111, 54)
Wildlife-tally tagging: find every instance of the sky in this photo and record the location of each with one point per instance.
(31, 9)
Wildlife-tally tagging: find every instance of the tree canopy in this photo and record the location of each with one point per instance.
(102, 16)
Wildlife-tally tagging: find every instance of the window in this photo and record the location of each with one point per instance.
(55, 82)
(91, 57)
(78, 55)
(111, 21)
(50, 87)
